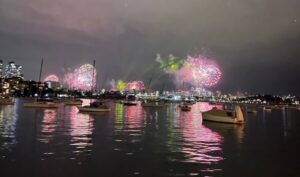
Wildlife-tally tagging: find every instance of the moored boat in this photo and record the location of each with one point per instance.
(7, 101)
(41, 104)
(73, 102)
(94, 107)
(129, 103)
(267, 108)
(224, 116)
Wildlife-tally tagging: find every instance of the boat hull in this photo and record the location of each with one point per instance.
(130, 104)
(40, 105)
(220, 119)
(72, 103)
(82, 109)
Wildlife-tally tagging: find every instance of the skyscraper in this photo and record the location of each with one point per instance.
(13, 70)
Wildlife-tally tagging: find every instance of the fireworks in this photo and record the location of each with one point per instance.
(82, 78)
(135, 85)
(197, 71)
(171, 64)
(121, 85)
(52, 78)
(205, 72)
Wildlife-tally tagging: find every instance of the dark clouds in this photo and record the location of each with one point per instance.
(256, 42)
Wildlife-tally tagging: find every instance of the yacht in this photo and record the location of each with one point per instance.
(73, 102)
(41, 104)
(224, 116)
(94, 107)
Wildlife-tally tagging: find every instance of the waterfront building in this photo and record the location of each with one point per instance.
(54, 85)
(13, 70)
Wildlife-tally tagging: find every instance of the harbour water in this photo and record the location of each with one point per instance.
(154, 142)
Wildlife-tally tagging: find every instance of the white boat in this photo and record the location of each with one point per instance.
(7, 101)
(224, 116)
(267, 108)
(41, 104)
(94, 107)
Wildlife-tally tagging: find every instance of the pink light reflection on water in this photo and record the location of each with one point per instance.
(133, 116)
(133, 122)
(202, 145)
(81, 128)
(48, 125)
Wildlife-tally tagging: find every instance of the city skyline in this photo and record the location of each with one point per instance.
(255, 43)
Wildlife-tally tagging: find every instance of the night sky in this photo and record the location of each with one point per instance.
(256, 42)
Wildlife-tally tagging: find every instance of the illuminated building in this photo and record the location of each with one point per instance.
(13, 70)
(54, 85)
(11, 86)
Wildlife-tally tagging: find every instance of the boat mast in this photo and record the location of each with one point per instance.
(39, 83)
(41, 69)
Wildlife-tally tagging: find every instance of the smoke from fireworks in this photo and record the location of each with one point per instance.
(83, 78)
(171, 64)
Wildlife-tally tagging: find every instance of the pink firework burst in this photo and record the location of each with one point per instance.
(205, 71)
(135, 85)
(82, 78)
(52, 78)
(199, 71)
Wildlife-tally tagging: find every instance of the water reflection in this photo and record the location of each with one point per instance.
(48, 125)
(119, 116)
(8, 120)
(146, 142)
(133, 118)
(201, 144)
(81, 129)
(128, 126)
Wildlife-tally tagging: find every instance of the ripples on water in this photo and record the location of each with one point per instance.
(8, 119)
(128, 141)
